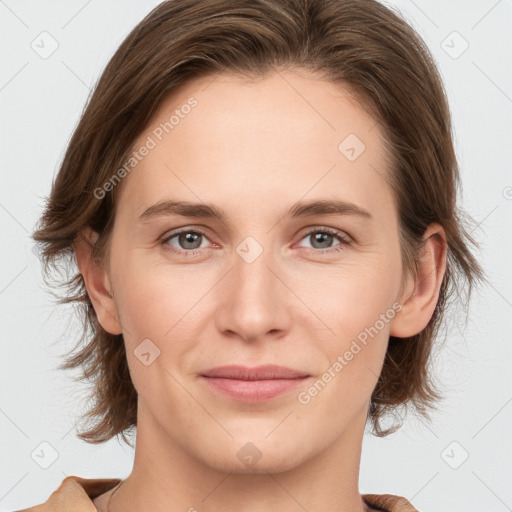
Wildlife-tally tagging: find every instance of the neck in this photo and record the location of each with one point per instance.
(165, 477)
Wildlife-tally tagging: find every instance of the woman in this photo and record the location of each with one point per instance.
(261, 201)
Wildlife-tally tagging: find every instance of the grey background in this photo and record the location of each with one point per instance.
(40, 103)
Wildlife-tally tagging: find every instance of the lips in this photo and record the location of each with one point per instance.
(265, 372)
(256, 384)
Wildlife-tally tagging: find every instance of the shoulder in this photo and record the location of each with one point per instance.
(75, 492)
(79, 492)
(388, 503)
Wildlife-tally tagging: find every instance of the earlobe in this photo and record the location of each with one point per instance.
(422, 293)
(97, 281)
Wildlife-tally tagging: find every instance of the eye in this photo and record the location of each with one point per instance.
(187, 241)
(190, 242)
(322, 238)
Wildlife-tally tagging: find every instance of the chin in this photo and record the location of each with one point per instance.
(252, 455)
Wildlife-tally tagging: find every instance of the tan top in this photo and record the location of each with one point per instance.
(76, 494)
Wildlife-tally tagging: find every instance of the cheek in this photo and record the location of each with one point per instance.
(157, 299)
(356, 305)
(168, 306)
(157, 304)
(359, 312)
(349, 299)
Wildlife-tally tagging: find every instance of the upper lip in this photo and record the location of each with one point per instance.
(264, 372)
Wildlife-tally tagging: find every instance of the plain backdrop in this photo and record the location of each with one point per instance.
(459, 462)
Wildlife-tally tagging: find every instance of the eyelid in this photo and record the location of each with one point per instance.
(168, 235)
(326, 229)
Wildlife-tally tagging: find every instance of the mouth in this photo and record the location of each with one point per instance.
(253, 384)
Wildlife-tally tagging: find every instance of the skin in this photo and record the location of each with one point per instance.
(254, 148)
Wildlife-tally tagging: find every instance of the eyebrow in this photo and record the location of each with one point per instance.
(209, 211)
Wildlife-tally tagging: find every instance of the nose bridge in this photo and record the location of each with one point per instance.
(251, 269)
(253, 300)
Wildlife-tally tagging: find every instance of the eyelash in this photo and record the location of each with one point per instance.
(328, 231)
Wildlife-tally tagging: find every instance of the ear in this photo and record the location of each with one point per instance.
(97, 282)
(421, 291)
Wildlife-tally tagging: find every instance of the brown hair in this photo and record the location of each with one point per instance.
(360, 44)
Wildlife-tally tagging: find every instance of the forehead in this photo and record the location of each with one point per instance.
(230, 140)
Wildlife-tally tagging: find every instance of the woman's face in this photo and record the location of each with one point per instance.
(261, 285)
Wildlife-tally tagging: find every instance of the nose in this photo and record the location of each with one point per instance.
(253, 300)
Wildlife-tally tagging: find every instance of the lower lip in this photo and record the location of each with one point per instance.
(253, 390)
